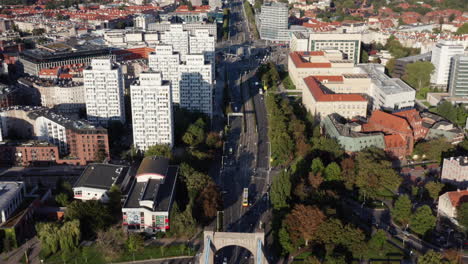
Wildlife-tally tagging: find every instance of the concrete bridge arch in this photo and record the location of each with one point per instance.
(214, 241)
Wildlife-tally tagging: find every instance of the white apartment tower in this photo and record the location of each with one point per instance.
(166, 61)
(191, 80)
(104, 92)
(196, 84)
(203, 43)
(442, 55)
(151, 111)
(178, 38)
(273, 21)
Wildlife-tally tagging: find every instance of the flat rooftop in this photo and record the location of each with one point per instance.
(387, 84)
(158, 191)
(101, 176)
(8, 190)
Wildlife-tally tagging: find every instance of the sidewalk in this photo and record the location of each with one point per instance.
(15, 256)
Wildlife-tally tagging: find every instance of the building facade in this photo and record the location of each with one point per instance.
(147, 206)
(321, 104)
(274, 21)
(455, 171)
(104, 92)
(196, 85)
(442, 55)
(449, 202)
(96, 181)
(11, 197)
(152, 111)
(76, 140)
(166, 61)
(458, 81)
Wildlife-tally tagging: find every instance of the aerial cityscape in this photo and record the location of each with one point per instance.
(233, 131)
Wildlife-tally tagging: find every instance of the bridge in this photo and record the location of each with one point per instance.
(214, 241)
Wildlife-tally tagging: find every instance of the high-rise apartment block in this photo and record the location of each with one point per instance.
(203, 43)
(104, 92)
(458, 81)
(166, 61)
(191, 80)
(442, 55)
(274, 21)
(151, 111)
(196, 84)
(178, 38)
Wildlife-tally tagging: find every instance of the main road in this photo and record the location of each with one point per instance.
(245, 162)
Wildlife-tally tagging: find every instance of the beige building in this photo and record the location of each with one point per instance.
(321, 103)
(450, 201)
(65, 97)
(304, 64)
(348, 43)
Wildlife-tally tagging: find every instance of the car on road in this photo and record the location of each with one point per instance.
(225, 260)
(230, 151)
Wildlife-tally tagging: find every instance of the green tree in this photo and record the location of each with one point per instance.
(328, 147)
(48, 235)
(101, 155)
(377, 241)
(194, 180)
(135, 242)
(401, 211)
(280, 192)
(317, 165)
(364, 57)
(195, 133)
(374, 174)
(333, 233)
(390, 66)
(462, 215)
(431, 257)
(433, 149)
(93, 216)
(62, 199)
(456, 114)
(333, 172)
(462, 30)
(182, 223)
(423, 220)
(418, 74)
(433, 189)
(69, 236)
(115, 200)
(208, 202)
(163, 151)
(285, 241)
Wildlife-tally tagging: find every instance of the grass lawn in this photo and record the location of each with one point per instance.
(92, 255)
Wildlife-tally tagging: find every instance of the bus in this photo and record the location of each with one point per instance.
(245, 197)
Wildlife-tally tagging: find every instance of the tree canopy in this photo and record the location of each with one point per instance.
(423, 220)
(462, 215)
(463, 29)
(163, 151)
(303, 222)
(280, 192)
(401, 212)
(432, 149)
(418, 74)
(456, 114)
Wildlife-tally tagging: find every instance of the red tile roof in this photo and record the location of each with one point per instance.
(299, 62)
(458, 197)
(390, 121)
(320, 96)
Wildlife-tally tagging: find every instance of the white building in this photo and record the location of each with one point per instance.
(11, 197)
(104, 91)
(96, 181)
(387, 93)
(449, 202)
(196, 84)
(214, 4)
(147, 206)
(166, 61)
(202, 42)
(442, 55)
(142, 20)
(191, 80)
(178, 38)
(348, 43)
(274, 21)
(455, 171)
(151, 111)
